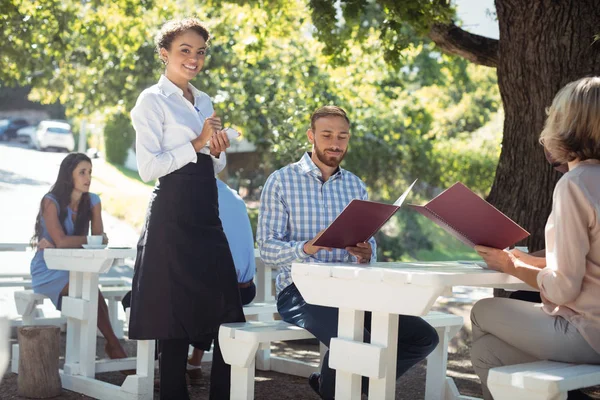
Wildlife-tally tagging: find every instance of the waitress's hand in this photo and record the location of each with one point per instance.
(211, 126)
(218, 143)
(104, 238)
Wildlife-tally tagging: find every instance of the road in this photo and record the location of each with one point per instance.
(25, 176)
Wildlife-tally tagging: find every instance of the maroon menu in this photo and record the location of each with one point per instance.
(360, 220)
(470, 219)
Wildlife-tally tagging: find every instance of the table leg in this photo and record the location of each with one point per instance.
(89, 324)
(384, 332)
(72, 356)
(350, 326)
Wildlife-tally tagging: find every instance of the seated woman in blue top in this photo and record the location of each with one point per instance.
(64, 222)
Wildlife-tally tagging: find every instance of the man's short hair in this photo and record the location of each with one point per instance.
(572, 129)
(327, 111)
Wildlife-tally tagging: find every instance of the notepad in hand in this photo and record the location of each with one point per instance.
(471, 219)
(360, 220)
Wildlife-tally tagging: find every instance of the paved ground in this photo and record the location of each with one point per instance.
(275, 386)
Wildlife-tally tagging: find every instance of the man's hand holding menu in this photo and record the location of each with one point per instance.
(356, 224)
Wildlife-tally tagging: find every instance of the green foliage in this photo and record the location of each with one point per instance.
(118, 137)
(397, 24)
(269, 66)
(87, 55)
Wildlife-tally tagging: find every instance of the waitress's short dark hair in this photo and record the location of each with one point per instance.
(176, 27)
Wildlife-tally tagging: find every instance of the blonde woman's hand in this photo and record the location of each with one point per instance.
(496, 259)
(527, 258)
(44, 244)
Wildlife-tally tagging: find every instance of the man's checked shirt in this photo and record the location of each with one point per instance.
(295, 205)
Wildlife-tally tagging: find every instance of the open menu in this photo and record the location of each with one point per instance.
(470, 219)
(358, 222)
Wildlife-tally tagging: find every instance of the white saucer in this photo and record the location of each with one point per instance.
(94, 246)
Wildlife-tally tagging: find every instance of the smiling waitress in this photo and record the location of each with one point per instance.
(185, 284)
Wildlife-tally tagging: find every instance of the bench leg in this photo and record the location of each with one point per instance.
(435, 381)
(113, 316)
(14, 363)
(263, 355)
(322, 350)
(242, 382)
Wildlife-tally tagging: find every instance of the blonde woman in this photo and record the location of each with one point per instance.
(566, 326)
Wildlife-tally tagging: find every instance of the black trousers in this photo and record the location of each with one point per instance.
(172, 360)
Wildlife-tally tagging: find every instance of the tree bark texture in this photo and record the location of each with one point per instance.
(38, 362)
(543, 45)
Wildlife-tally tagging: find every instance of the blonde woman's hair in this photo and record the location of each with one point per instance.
(572, 129)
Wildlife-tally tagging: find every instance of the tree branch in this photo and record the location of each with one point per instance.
(454, 40)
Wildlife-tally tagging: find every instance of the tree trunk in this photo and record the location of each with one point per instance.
(38, 362)
(544, 44)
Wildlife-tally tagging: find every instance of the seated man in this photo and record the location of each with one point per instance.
(297, 202)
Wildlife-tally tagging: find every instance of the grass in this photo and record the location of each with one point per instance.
(124, 195)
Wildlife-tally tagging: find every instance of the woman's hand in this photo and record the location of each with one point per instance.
(104, 238)
(44, 244)
(211, 126)
(496, 259)
(527, 258)
(218, 143)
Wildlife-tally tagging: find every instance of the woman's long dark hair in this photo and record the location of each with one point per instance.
(61, 190)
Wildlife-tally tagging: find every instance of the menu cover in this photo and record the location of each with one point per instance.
(360, 220)
(471, 219)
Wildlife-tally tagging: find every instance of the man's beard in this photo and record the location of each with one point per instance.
(328, 160)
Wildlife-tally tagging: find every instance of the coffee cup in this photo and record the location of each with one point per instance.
(94, 240)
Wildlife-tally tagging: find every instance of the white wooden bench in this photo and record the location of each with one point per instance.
(240, 342)
(24, 281)
(258, 312)
(27, 303)
(541, 380)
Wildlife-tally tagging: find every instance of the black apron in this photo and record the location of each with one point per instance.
(184, 284)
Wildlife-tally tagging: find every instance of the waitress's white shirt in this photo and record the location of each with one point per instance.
(165, 123)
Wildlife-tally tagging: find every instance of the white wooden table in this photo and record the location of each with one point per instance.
(81, 309)
(387, 290)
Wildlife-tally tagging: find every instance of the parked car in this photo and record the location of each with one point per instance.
(9, 127)
(27, 135)
(54, 134)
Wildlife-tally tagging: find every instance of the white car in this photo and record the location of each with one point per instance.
(27, 135)
(54, 134)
